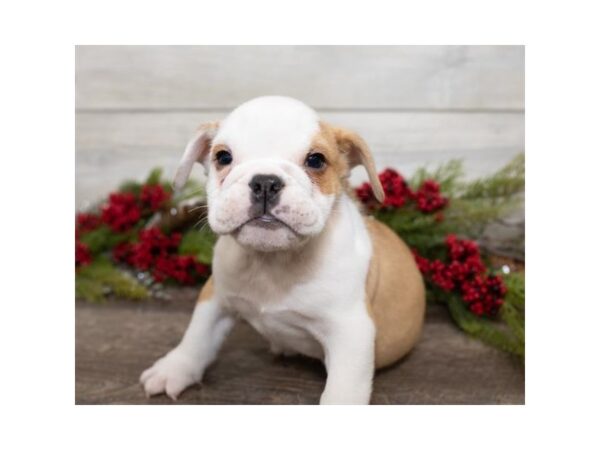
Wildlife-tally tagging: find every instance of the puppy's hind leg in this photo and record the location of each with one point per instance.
(186, 363)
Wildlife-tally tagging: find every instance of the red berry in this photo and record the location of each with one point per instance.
(154, 196)
(87, 222)
(83, 255)
(429, 197)
(121, 212)
(395, 188)
(465, 273)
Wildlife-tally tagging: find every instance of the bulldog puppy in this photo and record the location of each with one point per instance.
(295, 257)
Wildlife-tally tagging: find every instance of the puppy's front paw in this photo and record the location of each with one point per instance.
(171, 374)
(356, 396)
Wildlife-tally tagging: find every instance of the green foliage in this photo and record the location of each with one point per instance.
(513, 310)
(420, 231)
(95, 281)
(132, 187)
(100, 278)
(199, 243)
(89, 289)
(154, 177)
(468, 217)
(103, 238)
(486, 330)
(485, 200)
(508, 181)
(447, 175)
(515, 283)
(515, 321)
(472, 205)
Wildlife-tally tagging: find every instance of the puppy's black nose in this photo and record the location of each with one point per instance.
(265, 188)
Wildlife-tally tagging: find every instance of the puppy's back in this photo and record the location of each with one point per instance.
(395, 295)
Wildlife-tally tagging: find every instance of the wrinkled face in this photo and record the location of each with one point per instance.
(274, 173)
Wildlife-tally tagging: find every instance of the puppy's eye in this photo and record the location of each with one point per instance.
(223, 158)
(315, 161)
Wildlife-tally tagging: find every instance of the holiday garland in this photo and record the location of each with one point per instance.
(143, 236)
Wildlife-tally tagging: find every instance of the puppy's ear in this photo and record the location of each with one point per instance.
(357, 153)
(197, 150)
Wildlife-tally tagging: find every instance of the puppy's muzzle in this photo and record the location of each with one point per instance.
(264, 193)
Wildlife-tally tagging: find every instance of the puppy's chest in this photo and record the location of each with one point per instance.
(287, 329)
(284, 318)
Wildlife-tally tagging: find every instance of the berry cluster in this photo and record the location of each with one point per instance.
(153, 196)
(120, 213)
(427, 198)
(83, 224)
(157, 253)
(83, 255)
(465, 273)
(397, 191)
(124, 209)
(365, 194)
(87, 222)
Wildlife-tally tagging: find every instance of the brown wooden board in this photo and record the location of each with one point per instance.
(116, 341)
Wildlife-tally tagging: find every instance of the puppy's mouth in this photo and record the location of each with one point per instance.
(266, 221)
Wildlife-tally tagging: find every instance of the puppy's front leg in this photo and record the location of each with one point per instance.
(185, 364)
(350, 359)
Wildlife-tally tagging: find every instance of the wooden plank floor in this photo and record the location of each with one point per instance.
(116, 341)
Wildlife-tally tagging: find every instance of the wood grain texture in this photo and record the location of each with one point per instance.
(114, 146)
(342, 77)
(114, 343)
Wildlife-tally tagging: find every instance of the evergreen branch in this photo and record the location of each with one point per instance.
(131, 186)
(89, 289)
(199, 243)
(154, 177)
(470, 216)
(103, 238)
(406, 220)
(447, 175)
(508, 181)
(100, 277)
(483, 329)
(515, 320)
(515, 285)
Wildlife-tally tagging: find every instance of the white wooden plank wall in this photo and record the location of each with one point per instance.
(137, 106)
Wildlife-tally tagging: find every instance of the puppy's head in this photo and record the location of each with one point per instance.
(274, 172)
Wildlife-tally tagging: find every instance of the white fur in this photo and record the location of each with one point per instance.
(267, 127)
(301, 286)
(268, 135)
(185, 364)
